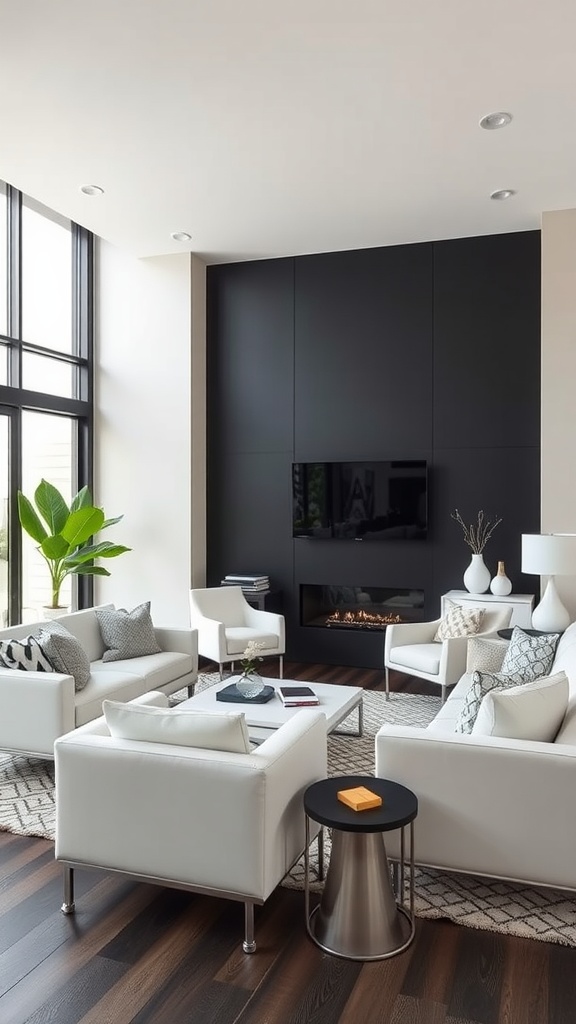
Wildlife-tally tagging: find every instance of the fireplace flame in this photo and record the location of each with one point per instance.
(361, 618)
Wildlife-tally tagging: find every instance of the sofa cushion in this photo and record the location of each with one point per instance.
(211, 731)
(127, 634)
(237, 638)
(485, 654)
(531, 711)
(105, 685)
(26, 654)
(84, 626)
(65, 652)
(482, 683)
(156, 670)
(529, 657)
(424, 657)
(567, 730)
(459, 621)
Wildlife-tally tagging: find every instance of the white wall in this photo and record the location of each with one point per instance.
(559, 383)
(142, 429)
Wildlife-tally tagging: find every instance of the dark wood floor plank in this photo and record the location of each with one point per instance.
(410, 1010)
(18, 855)
(281, 916)
(562, 985)
(478, 975)
(84, 988)
(524, 994)
(376, 991)
(430, 973)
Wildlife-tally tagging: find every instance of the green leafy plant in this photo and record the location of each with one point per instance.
(64, 543)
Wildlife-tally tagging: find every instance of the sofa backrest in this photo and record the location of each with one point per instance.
(83, 625)
(565, 658)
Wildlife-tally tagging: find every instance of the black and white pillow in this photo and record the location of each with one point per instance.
(529, 657)
(65, 652)
(127, 634)
(482, 683)
(25, 654)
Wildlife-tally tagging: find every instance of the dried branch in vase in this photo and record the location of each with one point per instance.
(477, 535)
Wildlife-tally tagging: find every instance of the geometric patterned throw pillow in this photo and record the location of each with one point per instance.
(485, 655)
(529, 657)
(127, 634)
(65, 652)
(482, 683)
(459, 621)
(25, 654)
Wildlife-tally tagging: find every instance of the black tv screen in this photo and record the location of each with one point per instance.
(369, 501)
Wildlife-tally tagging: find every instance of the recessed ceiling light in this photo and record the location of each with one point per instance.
(503, 193)
(497, 120)
(92, 190)
(181, 236)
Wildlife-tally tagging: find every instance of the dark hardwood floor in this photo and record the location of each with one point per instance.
(142, 954)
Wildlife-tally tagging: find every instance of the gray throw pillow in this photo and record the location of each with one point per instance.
(25, 654)
(529, 657)
(65, 652)
(127, 634)
(482, 683)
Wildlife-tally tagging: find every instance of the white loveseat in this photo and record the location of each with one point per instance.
(220, 823)
(488, 805)
(37, 707)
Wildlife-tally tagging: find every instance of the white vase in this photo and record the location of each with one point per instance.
(501, 586)
(54, 613)
(249, 684)
(477, 576)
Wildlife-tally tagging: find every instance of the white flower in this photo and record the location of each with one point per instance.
(251, 656)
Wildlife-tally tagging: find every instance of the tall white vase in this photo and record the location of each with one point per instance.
(477, 576)
(501, 586)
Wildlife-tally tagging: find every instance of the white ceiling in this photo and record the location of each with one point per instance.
(267, 129)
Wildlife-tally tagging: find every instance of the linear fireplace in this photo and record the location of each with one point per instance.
(358, 608)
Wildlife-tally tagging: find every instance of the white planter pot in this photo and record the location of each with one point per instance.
(54, 613)
(477, 576)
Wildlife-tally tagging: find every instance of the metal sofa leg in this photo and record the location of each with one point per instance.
(281, 660)
(249, 946)
(68, 907)
(387, 673)
(191, 687)
(221, 667)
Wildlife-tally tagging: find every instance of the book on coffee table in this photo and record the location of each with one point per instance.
(298, 696)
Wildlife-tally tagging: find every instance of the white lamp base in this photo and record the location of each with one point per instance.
(551, 616)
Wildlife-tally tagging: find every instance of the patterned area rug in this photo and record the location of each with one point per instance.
(27, 808)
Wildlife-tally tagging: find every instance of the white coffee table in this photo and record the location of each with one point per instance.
(337, 702)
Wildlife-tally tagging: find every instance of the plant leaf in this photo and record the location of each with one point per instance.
(111, 522)
(90, 570)
(105, 549)
(82, 524)
(29, 520)
(51, 506)
(81, 500)
(54, 547)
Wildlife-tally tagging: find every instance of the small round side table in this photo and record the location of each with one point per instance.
(360, 915)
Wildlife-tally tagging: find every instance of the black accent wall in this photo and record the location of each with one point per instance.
(427, 351)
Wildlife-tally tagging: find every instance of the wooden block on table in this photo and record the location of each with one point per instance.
(359, 798)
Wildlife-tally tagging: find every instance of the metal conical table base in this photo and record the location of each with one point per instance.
(358, 917)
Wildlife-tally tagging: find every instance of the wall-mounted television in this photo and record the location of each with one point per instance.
(368, 501)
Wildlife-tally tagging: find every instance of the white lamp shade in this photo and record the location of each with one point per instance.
(549, 554)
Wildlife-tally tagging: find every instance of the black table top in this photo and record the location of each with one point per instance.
(399, 804)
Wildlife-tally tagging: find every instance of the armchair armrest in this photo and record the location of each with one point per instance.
(36, 707)
(269, 621)
(453, 659)
(404, 633)
(486, 804)
(211, 637)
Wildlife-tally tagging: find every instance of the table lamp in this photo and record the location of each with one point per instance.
(549, 554)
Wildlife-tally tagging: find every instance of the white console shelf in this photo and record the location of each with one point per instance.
(521, 604)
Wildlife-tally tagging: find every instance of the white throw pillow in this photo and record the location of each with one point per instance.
(484, 655)
(532, 711)
(211, 731)
(459, 621)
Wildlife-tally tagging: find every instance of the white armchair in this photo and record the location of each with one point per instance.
(226, 623)
(410, 647)
(222, 824)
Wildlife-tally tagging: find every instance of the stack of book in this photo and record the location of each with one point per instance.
(298, 696)
(250, 583)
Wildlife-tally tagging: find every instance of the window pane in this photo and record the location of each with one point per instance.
(46, 278)
(3, 261)
(48, 451)
(4, 440)
(53, 377)
(3, 364)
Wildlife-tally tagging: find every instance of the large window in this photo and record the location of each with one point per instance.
(45, 386)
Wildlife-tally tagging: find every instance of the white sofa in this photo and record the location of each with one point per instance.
(37, 707)
(487, 805)
(219, 823)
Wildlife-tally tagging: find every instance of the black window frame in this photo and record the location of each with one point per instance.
(14, 399)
